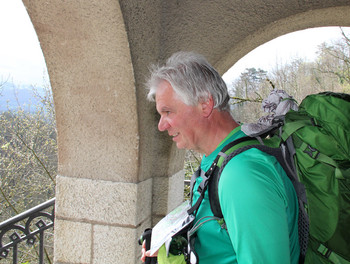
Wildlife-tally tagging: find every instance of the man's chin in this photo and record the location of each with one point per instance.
(180, 146)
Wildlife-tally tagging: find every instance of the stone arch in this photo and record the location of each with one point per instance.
(117, 174)
(87, 53)
(333, 16)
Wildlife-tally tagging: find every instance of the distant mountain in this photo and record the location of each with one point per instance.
(12, 96)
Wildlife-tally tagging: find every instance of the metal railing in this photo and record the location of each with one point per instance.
(28, 226)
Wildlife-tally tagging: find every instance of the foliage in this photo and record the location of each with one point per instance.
(335, 60)
(192, 161)
(28, 157)
(28, 160)
(250, 88)
(329, 72)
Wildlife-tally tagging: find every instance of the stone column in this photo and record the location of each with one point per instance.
(101, 205)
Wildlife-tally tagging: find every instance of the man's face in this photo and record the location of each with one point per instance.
(179, 119)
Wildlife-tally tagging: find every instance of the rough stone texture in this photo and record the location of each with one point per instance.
(72, 242)
(88, 59)
(96, 244)
(105, 202)
(176, 190)
(109, 240)
(168, 193)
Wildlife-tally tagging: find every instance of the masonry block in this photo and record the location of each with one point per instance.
(72, 242)
(114, 244)
(168, 192)
(103, 202)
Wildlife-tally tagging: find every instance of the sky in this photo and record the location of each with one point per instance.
(279, 51)
(22, 61)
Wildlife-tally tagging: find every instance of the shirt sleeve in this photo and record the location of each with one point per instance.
(253, 202)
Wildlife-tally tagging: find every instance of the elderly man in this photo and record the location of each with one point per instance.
(257, 199)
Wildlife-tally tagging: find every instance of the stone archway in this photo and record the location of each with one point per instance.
(112, 160)
(89, 62)
(333, 16)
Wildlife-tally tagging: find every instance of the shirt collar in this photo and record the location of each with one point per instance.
(233, 135)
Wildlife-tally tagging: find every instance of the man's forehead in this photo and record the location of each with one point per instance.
(164, 84)
(164, 90)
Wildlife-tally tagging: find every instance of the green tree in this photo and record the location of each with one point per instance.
(334, 60)
(248, 91)
(28, 163)
(28, 157)
(329, 72)
(249, 84)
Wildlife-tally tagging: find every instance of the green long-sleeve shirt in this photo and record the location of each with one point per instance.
(260, 209)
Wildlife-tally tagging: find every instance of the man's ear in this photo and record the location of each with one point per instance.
(207, 106)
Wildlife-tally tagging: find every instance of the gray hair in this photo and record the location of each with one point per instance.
(192, 78)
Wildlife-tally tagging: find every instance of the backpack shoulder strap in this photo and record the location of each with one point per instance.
(227, 153)
(207, 176)
(214, 183)
(282, 157)
(198, 173)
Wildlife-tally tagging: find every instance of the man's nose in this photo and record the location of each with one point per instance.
(163, 124)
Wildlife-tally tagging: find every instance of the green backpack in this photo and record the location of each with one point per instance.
(313, 146)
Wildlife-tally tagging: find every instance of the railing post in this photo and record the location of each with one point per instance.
(41, 248)
(14, 253)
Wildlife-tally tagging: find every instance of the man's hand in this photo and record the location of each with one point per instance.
(146, 253)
